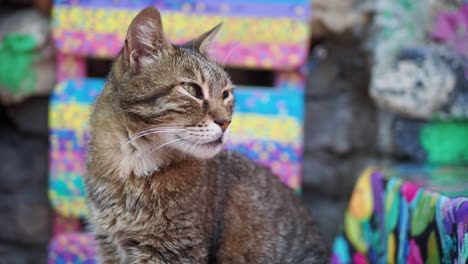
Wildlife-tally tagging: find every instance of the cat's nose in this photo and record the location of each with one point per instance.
(223, 123)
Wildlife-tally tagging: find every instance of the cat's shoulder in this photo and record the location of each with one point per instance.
(235, 160)
(236, 165)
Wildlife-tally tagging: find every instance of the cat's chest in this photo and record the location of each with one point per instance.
(167, 201)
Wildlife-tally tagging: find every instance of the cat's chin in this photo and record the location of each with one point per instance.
(203, 151)
(206, 151)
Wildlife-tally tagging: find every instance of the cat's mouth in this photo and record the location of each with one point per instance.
(214, 143)
(204, 150)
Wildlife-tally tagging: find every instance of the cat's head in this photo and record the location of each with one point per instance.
(181, 98)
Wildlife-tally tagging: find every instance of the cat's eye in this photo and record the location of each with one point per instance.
(193, 89)
(225, 94)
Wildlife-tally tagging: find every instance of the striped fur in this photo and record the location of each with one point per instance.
(160, 190)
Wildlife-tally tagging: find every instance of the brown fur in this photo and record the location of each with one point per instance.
(157, 202)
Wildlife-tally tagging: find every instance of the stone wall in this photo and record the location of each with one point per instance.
(25, 214)
(341, 128)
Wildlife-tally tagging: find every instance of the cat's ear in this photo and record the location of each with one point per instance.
(145, 36)
(203, 42)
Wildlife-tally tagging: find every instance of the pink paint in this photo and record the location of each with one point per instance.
(358, 258)
(63, 224)
(451, 27)
(70, 67)
(90, 44)
(414, 256)
(409, 191)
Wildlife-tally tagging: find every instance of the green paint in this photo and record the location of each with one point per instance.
(445, 142)
(16, 57)
(392, 204)
(423, 212)
(432, 250)
(355, 233)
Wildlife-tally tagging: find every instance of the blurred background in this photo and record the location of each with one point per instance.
(385, 84)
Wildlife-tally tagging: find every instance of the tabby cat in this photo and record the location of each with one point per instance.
(160, 188)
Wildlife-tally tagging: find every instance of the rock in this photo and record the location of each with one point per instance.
(25, 223)
(13, 176)
(327, 124)
(334, 177)
(435, 142)
(340, 124)
(340, 116)
(12, 254)
(31, 116)
(25, 213)
(327, 213)
(424, 82)
(23, 158)
(405, 135)
(320, 173)
(336, 16)
(338, 65)
(28, 52)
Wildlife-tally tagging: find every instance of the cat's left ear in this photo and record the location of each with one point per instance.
(203, 42)
(145, 36)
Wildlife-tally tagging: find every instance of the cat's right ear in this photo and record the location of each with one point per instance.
(203, 42)
(145, 37)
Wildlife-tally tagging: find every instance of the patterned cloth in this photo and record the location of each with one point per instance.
(393, 220)
(76, 248)
(279, 39)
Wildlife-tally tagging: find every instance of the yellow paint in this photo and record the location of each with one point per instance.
(432, 250)
(236, 29)
(391, 249)
(69, 116)
(274, 128)
(354, 233)
(361, 203)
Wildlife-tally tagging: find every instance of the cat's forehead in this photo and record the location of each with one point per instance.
(203, 69)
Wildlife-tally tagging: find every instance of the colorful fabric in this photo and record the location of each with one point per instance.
(278, 40)
(63, 224)
(267, 127)
(76, 248)
(391, 218)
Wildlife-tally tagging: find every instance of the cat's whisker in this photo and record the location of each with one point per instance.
(194, 147)
(165, 144)
(227, 56)
(148, 132)
(179, 145)
(140, 134)
(157, 128)
(184, 152)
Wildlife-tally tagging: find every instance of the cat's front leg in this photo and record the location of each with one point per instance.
(133, 252)
(107, 253)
